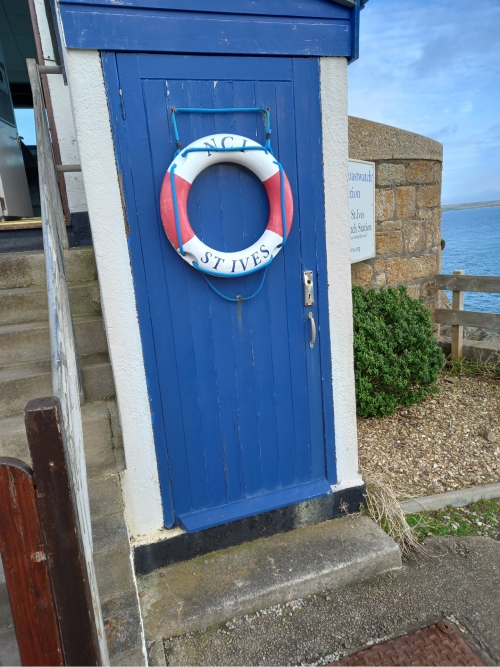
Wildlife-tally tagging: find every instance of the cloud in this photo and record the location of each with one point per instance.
(446, 131)
(433, 68)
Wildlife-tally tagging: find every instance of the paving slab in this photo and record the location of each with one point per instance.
(6, 621)
(459, 580)
(9, 654)
(210, 589)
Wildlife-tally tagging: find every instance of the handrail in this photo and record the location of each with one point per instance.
(463, 283)
(66, 376)
(457, 316)
(55, 239)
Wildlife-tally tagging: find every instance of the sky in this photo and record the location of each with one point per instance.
(25, 120)
(433, 67)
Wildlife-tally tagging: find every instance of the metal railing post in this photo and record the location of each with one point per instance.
(50, 200)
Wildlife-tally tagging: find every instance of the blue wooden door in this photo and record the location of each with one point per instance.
(242, 406)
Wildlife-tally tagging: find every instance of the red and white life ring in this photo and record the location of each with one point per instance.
(187, 168)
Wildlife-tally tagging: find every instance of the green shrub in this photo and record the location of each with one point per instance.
(396, 357)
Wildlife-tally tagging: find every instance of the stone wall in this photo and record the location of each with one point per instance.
(407, 208)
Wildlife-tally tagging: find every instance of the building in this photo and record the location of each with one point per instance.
(235, 394)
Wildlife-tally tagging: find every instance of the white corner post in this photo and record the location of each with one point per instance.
(333, 79)
(140, 483)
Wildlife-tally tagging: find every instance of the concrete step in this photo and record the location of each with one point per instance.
(101, 434)
(29, 304)
(30, 341)
(27, 269)
(193, 595)
(113, 566)
(23, 382)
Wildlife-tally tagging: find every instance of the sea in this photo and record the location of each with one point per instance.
(473, 245)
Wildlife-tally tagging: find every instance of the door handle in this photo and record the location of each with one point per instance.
(313, 330)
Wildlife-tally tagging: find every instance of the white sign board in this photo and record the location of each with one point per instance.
(362, 209)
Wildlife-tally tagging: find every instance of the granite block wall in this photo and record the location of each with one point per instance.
(407, 208)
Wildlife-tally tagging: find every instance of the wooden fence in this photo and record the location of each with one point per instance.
(459, 283)
(42, 548)
(26, 569)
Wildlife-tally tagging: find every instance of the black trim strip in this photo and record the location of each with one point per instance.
(150, 557)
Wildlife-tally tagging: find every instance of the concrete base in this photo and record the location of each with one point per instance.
(459, 498)
(211, 589)
(177, 545)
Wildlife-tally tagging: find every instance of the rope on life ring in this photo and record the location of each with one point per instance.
(183, 170)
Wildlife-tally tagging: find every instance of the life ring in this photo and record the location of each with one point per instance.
(188, 164)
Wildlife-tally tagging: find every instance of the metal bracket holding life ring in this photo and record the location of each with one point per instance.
(186, 166)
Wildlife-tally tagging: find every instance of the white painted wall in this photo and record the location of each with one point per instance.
(333, 79)
(63, 117)
(140, 479)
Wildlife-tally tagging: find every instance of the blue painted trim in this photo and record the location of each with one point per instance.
(250, 506)
(306, 76)
(134, 29)
(355, 32)
(209, 69)
(319, 9)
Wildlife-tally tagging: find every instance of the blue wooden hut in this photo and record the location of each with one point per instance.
(236, 392)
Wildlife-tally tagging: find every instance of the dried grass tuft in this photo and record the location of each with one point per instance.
(383, 507)
(486, 368)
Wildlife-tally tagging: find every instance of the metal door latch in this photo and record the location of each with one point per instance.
(308, 288)
(313, 330)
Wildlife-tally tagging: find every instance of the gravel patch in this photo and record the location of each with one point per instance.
(450, 441)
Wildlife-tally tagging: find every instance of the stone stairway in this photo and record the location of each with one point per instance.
(25, 374)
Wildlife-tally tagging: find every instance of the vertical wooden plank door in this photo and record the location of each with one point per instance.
(242, 405)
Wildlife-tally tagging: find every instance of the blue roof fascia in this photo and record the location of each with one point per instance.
(249, 27)
(355, 32)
